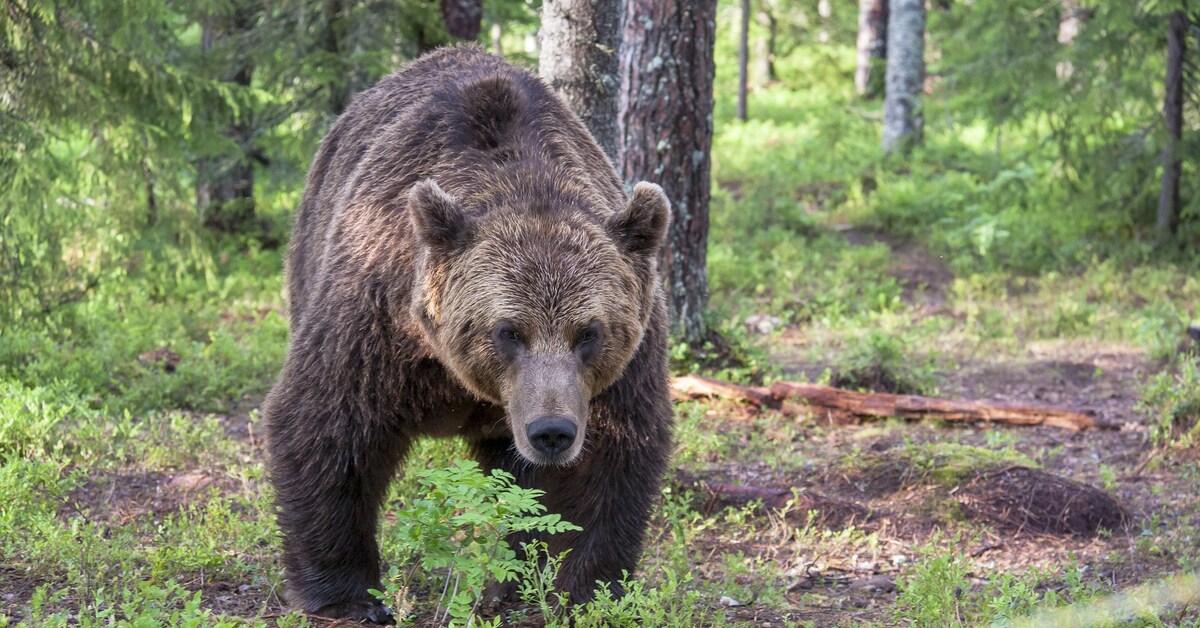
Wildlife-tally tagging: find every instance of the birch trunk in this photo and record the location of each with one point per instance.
(743, 61)
(903, 120)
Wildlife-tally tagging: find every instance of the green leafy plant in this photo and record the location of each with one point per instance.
(885, 362)
(673, 602)
(931, 593)
(1172, 399)
(459, 528)
(537, 583)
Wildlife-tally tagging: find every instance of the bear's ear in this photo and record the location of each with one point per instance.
(437, 219)
(642, 228)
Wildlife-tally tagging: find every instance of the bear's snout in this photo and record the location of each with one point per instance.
(551, 435)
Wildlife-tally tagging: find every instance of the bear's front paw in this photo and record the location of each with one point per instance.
(366, 611)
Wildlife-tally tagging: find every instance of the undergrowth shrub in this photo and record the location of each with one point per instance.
(458, 527)
(1172, 400)
(937, 590)
(885, 362)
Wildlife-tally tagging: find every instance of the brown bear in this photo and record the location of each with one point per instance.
(466, 262)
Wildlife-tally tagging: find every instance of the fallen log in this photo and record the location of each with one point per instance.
(696, 387)
(843, 405)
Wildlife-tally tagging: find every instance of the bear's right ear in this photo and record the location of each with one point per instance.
(642, 228)
(437, 218)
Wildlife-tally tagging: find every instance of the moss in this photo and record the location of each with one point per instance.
(949, 464)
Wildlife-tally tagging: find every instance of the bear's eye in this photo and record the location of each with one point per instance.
(586, 336)
(507, 338)
(587, 342)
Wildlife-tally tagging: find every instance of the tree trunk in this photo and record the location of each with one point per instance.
(463, 18)
(580, 40)
(903, 120)
(743, 61)
(1168, 197)
(225, 184)
(331, 42)
(872, 47)
(497, 47)
(825, 14)
(1069, 23)
(764, 58)
(666, 128)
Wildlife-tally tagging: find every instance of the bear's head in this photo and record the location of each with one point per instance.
(537, 309)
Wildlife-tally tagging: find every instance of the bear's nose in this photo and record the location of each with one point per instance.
(551, 435)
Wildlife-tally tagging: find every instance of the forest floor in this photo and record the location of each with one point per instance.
(768, 519)
(895, 505)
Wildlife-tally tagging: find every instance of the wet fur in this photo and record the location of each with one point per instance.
(386, 339)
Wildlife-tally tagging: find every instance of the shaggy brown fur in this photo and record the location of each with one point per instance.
(465, 262)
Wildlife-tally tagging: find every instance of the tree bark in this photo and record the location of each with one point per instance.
(666, 128)
(463, 18)
(497, 46)
(1070, 20)
(872, 47)
(743, 61)
(1168, 196)
(580, 41)
(225, 184)
(903, 120)
(825, 14)
(331, 42)
(764, 58)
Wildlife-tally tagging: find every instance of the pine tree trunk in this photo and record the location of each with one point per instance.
(580, 40)
(1168, 197)
(463, 18)
(225, 185)
(666, 128)
(764, 59)
(903, 120)
(872, 47)
(331, 42)
(743, 61)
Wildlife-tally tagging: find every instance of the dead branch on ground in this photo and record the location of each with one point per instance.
(847, 405)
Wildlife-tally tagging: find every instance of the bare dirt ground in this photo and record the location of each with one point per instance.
(842, 584)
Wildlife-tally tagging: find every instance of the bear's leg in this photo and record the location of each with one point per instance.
(331, 475)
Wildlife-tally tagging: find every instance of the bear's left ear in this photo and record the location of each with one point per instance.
(437, 218)
(642, 228)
